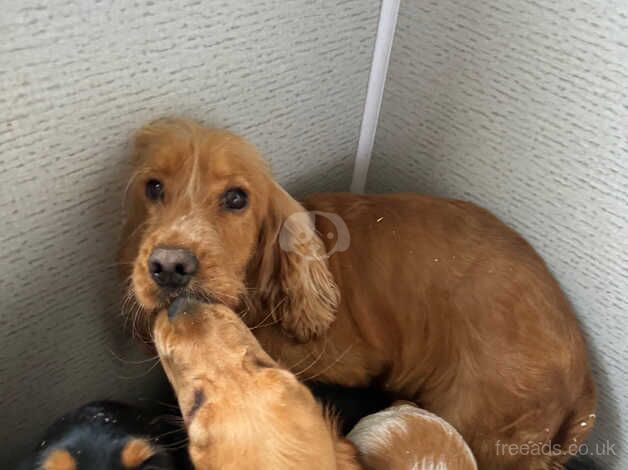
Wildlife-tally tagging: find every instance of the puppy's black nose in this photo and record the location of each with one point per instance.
(172, 267)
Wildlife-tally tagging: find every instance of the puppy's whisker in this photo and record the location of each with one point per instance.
(176, 445)
(264, 325)
(127, 309)
(171, 419)
(210, 298)
(144, 374)
(243, 314)
(329, 366)
(313, 363)
(247, 307)
(268, 315)
(120, 263)
(135, 315)
(300, 361)
(222, 297)
(126, 361)
(162, 403)
(168, 433)
(131, 310)
(127, 302)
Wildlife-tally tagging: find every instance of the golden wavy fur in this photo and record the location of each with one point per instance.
(434, 299)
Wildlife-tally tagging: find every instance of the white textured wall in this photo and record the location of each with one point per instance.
(75, 79)
(522, 106)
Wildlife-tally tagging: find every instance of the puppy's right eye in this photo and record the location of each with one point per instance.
(154, 190)
(234, 199)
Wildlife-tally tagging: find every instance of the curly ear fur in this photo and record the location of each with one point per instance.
(293, 279)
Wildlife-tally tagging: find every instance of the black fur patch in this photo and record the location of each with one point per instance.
(96, 434)
(350, 403)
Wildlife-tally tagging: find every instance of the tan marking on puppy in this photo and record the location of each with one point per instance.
(59, 459)
(135, 452)
(404, 437)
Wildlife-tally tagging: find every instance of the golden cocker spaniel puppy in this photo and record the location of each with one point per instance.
(433, 299)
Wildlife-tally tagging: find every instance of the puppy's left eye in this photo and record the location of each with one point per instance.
(234, 199)
(154, 190)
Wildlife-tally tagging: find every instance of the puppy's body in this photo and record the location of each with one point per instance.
(435, 300)
(445, 305)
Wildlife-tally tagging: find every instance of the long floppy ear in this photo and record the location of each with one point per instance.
(293, 279)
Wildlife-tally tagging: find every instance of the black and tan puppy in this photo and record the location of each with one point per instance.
(104, 435)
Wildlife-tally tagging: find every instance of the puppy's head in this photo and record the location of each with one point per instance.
(205, 220)
(241, 409)
(105, 435)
